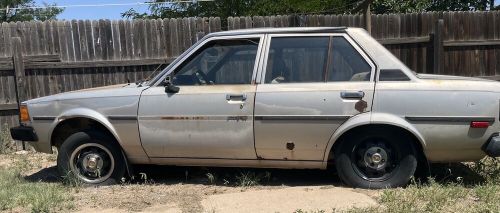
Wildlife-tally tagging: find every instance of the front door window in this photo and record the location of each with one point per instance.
(219, 62)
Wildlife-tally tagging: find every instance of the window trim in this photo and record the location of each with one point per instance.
(263, 68)
(397, 81)
(195, 49)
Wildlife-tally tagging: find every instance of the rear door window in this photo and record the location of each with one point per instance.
(347, 63)
(297, 59)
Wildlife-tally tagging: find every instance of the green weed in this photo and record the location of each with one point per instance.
(15, 192)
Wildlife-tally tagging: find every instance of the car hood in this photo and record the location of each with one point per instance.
(96, 92)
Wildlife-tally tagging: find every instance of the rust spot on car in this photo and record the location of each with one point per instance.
(361, 105)
(184, 118)
(290, 146)
(228, 118)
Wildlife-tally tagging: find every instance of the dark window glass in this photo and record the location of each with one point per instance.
(392, 75)
(297, 59)
(347, 63)
(219, 62)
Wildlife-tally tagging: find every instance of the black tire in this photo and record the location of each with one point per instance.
(104, 152)
(360, 161)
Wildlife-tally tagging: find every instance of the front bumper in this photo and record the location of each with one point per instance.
(492, 147)
(23, 133)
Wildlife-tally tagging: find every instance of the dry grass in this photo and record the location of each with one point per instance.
(470, 187)
(19, 194)
(7, 145)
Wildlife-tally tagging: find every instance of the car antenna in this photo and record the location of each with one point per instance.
(149, 76)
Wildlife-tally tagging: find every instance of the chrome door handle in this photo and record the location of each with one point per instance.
(236, 97)
(352, 95)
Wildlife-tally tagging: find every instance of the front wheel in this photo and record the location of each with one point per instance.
(91, 157)
(376, 159)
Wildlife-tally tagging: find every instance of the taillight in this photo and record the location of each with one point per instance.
(24, 114)
(479, 124)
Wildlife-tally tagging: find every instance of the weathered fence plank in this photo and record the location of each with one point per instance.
(60, 56)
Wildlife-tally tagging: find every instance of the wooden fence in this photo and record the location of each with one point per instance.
(463, 43)
(43, 58)
(50, 57)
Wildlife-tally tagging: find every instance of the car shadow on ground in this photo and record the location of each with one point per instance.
(456, 173)
(237, 176)
(49, 175)
(209, 175)
(441, 173)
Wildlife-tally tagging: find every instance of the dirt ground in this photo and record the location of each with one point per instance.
(194, 189)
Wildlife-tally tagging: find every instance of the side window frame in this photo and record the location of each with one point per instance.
(194, 50)
(265, 56)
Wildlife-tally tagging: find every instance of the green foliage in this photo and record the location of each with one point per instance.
(409, 6)
(40, 14)
(16, 192)
(72, 180)
(246, 179)
(226, 8)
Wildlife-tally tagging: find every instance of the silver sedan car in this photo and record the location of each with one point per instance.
(294, 98)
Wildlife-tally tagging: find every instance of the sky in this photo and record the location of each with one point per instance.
(109, 12)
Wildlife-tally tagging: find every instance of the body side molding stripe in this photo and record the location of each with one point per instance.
(122, 118)
(449, 118)
(239, 159)
(302, 117)
(44, 118)
(198, 117)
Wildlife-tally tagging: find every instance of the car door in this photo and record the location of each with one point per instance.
(212, 114)
(309, 86)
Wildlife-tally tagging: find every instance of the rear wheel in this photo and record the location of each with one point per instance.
(376, 158)
(92, 158)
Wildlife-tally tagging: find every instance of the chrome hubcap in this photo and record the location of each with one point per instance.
(375, 158)
(92, 163)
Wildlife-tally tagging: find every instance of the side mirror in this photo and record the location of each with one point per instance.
(169, 87)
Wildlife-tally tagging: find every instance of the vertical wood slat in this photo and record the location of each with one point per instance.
(137, 39)
(438, 47)
(20, 77)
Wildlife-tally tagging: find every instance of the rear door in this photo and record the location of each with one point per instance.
(309, 86)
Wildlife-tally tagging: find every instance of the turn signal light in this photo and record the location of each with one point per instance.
(479, 124)
(24, 114)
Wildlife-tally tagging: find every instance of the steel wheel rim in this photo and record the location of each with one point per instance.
(374, 160)
(93, 163)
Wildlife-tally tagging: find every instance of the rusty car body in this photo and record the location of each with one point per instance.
(296, 98)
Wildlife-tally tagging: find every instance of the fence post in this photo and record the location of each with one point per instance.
(438, 47)
(19, 77)
(368, 19)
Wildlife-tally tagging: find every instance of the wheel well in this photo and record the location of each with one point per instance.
(73, 125)
(422, 159)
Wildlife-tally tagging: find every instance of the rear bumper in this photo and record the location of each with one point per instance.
(492, 147)
(23, 133)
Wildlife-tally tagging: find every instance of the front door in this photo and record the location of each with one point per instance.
(212, 114)
(311, 85)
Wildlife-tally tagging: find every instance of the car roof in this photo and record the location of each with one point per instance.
(271, 30)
